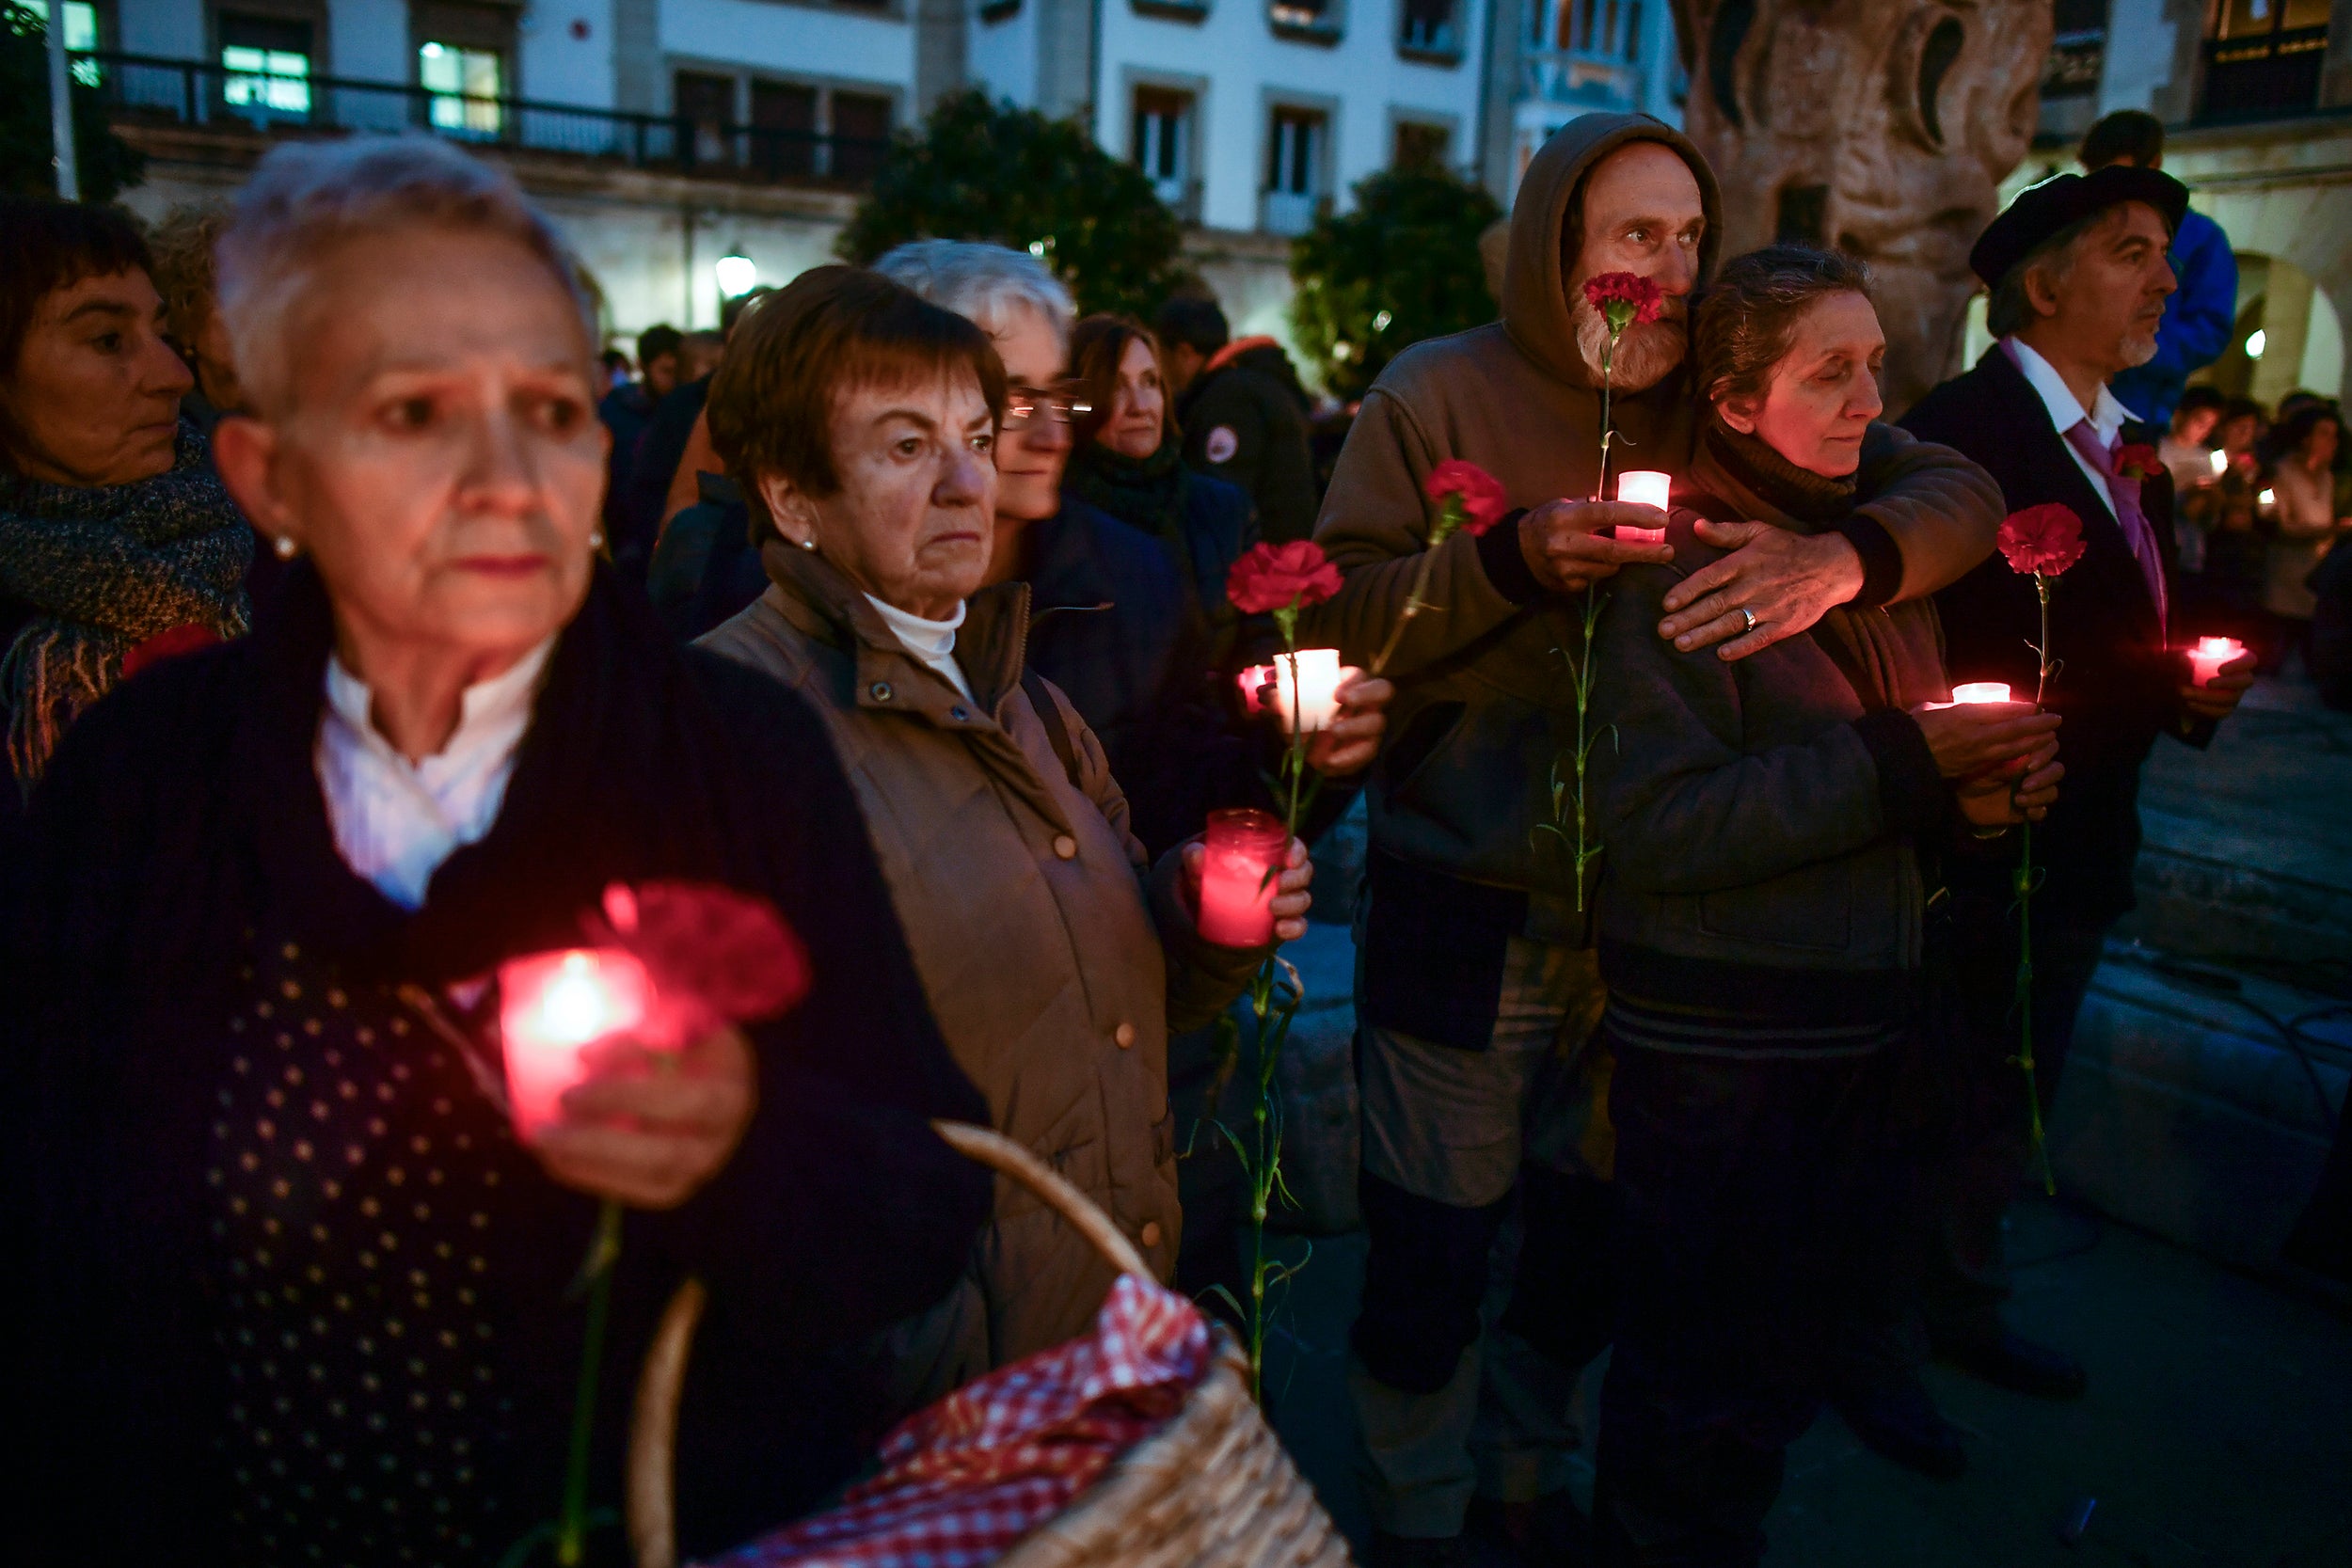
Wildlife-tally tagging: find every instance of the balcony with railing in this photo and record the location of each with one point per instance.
(1584, 53)
(271, 98)
(2270, 74)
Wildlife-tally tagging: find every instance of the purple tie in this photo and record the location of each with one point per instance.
(2101, 456)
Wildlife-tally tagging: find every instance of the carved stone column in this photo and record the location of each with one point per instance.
(1880, 127)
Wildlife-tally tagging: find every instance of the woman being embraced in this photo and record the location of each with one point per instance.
(1772, 826)
(303, 1295)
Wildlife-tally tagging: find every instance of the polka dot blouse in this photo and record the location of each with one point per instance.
(354, 1182)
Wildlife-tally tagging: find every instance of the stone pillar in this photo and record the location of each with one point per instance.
(1065, 57)
(2335, 77)
(1500, 86)
(940, 45)
(1881, 127)
(637, 85)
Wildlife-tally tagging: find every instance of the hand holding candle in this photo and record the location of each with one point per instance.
(1989, 736)
(1247, 884)
(1643, 487)
(2210, 654)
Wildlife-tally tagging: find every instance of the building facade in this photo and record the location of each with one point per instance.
(666, 134)
(2256, 96)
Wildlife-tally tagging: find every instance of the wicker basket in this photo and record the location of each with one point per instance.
(1212, 1489)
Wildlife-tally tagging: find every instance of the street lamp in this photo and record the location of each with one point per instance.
(737, 274)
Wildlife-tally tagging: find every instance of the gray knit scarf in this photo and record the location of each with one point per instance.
(102, 570)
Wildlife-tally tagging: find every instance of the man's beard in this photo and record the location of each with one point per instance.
(2138, 348)
(1647, 352)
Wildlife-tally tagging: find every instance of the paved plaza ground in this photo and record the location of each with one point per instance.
(2219, 1425)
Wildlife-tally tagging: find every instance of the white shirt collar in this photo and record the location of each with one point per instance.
(482, 709)
(396, 821)
(2107, 415)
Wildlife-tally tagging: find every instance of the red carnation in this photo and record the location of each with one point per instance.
(1624, 298)
(1280, 577)
(2138, 460)
(186, 637)
(1480, 494)
(2043, 539)
(716, 956)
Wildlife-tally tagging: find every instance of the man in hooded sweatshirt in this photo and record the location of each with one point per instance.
(1478, 988)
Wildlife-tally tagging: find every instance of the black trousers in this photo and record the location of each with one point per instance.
(1755, 1198)
(1975, 1174)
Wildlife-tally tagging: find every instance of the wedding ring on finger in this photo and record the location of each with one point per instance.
(1748, 616)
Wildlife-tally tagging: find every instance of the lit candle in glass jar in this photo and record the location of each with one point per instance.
(551, 1008)
(1976, 692)
(2220, 463)
(1252, 682)
(1308, 700)
(1643, 487)
(2210, 654)
(1245, 860)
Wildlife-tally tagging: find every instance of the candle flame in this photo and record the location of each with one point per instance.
(576, 1005)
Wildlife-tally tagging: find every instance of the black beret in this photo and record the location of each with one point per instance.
(2041, 211)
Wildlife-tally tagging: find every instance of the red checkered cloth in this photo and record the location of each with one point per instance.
(967, 1477)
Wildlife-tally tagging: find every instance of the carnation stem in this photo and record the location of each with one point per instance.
(1452, 514)
(2022, 884)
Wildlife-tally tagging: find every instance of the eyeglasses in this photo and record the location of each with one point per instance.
(1058, 405)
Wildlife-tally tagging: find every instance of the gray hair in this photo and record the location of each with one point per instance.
(983, 283)
(306, 198)
(2011, 309)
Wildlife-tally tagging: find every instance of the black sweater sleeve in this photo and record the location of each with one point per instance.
(842, 1206)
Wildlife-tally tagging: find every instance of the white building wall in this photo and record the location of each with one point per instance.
(171, 28)
(789, 39)
(558, 66)
(1241, 70)
(1001, 57)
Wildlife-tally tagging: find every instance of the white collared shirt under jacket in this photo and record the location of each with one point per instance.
(396, 821)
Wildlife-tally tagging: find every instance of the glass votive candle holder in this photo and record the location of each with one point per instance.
(1246, 852)
(552, 1006)
(1643, 487)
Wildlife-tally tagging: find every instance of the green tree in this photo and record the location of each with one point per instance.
(983, 171)
(106, 163)
(1402, 266)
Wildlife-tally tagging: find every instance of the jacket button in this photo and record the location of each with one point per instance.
(1149, 1234)
(1125, 1037)
(1065, 847)
(879, 691)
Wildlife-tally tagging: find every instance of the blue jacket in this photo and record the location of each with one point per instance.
(2198, 320)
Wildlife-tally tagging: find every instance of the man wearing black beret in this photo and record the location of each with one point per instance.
(2079, 273)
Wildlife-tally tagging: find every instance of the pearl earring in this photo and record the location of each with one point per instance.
(596, 539)
(285, 547)
(809, 545)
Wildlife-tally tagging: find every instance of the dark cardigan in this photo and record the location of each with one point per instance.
(183, 817)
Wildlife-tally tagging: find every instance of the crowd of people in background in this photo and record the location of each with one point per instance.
(901, 602)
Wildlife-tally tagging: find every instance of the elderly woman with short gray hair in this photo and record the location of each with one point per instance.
(298, 1291)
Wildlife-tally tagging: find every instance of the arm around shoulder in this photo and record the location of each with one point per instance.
(1941, 510)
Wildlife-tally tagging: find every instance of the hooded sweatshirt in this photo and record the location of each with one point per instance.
(1483, 710)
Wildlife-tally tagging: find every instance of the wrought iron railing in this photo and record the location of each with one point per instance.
(2270, 76)
(144, 88)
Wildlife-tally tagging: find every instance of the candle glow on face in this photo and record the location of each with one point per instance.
(551, 1008)
(2210, 654)
(1643, 487)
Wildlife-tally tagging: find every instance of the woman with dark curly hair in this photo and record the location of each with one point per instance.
(114, 530)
